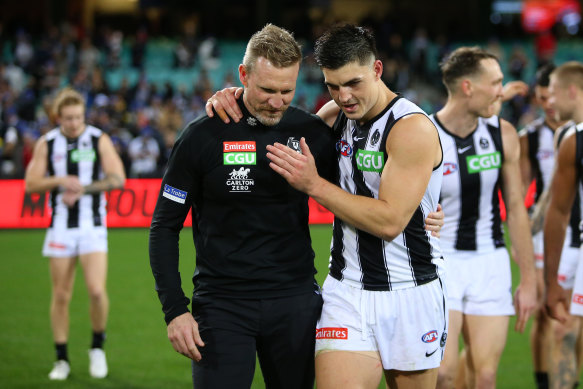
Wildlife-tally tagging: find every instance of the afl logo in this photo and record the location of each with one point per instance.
(344, 148)
(448, 168)
(375, 137)
(430, 337)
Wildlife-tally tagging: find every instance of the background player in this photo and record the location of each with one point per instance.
(551, 340)
(77, 163)
(481, 154)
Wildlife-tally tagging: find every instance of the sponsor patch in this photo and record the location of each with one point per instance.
(430, 337)
(239, 180)
(331, 333)
(370, 161)
(239, 153)
(82, 155)
(577, 298)
(479, 163)
(232, 147)
(449, 168)
(174, 194)
(344, 148)
(545, 154)
(58, 246)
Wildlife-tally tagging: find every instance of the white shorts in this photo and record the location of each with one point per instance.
(568, 262)
(407, 327)
(72, 242)
(577, 299)
(479, 284)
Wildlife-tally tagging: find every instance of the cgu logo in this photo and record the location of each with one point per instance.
(239, 158)
(430, 337)
(370, 161)
(478, 163)
(449, 168)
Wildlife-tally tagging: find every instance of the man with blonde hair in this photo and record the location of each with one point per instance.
(76, 163)
(566, 97)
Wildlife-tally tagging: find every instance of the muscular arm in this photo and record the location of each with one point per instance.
(413, 150)
(112, 167)
(329, 112)
(562, 195)
(518, 224)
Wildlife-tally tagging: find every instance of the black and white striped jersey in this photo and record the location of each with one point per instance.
(357, 257)
(541, 152)
(78, 157)
(469, 192)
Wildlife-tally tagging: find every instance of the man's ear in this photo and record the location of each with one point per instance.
(243, 75)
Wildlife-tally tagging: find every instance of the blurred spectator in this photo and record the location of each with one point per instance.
(419, 47)
(517, 62)
(88, 55)
(545, 47)
(144, 153)
(9, 163)
(23, 51)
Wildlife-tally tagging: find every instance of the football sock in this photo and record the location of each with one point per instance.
(61, 349)
(98, 339)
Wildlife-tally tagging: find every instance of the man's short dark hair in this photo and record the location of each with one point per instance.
(343, 44)
(543, 75)
(463, 62)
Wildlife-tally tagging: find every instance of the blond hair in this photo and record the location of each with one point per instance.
(66, 97)
(275, 44)
(570, 73)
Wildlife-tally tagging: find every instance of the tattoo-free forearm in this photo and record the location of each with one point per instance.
(111, 181)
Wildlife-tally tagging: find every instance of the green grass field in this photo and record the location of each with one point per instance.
(139, 353)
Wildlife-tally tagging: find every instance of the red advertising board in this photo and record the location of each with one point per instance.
(131, 206)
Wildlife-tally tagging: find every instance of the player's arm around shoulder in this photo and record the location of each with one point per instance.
(329, 112)
(518, 225)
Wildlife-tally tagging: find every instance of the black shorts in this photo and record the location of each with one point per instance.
(280, 331)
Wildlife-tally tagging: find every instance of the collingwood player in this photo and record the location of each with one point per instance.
(550, 339)
(481, 156)
(384, 305)
(76, 163)
(566, 97)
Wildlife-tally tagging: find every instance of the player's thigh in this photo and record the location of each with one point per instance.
(287, 340)
(62, 274)
(94, 270)
(411, 379)
(348, 369)
(486, 337)
(228, 328)
(450, 359)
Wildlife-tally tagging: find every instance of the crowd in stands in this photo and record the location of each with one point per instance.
(144, 115)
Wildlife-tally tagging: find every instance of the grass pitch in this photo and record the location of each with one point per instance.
(139, 353)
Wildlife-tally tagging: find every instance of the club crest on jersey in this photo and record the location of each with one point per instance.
(479, 163)
(294, 144)
(484, 143)
(375, 137)
(544, 154)
(174, 194)
(430, 337)
(239, 181)
(370, 161)
(344, 148)
(239, 153)
(449, 168)
(331, 333)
